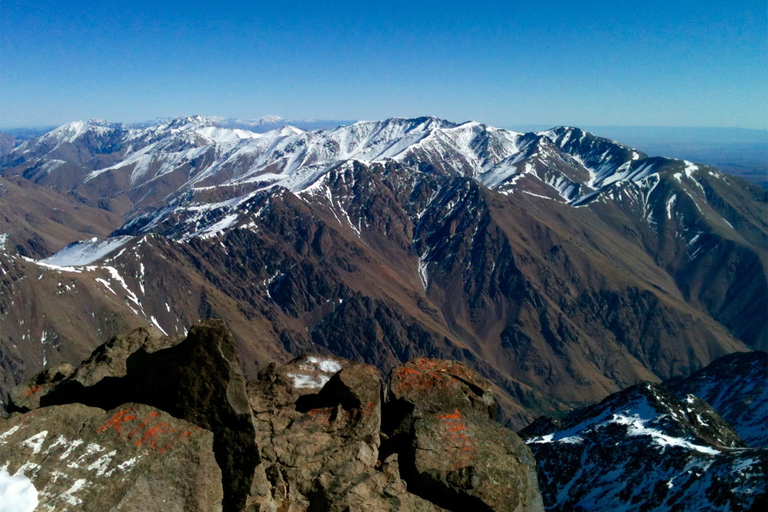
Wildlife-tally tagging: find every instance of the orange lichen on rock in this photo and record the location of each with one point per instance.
(32, 390)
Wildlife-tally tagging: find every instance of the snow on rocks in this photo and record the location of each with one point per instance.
(74, 457)
(17, 493)
(667, 453)
(313, 372)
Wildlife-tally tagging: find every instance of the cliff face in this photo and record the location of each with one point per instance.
(154, 422)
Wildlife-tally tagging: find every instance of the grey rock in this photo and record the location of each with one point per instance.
(451, 451)
(134, 457)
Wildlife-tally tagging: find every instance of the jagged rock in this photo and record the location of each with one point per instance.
(319, 421)
(134, 457)
(26, 397)
(451, 450)
(198, 379)
(642, 449)
(304, 436)
(111, 358)
(312, 423)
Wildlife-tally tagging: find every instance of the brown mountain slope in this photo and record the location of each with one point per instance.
(389, 265)
(39, 220)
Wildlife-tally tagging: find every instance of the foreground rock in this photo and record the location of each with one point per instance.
(197, 379)
(644, 450)
(319, 421)
(451, 449)
(134, 457)
(312, 435)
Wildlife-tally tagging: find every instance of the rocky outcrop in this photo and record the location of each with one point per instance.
(315, 434)
(198, 380)
(451, 449)
(319, 421)
(134, 457)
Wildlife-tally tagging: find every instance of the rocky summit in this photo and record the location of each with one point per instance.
(153, 422)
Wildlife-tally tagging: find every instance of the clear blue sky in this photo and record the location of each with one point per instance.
(653, 63)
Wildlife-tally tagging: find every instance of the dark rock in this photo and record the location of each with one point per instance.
(451, 451)
(198, 379)
(134, 457)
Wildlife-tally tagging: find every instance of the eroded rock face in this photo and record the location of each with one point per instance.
(134, 457)
(451, 450)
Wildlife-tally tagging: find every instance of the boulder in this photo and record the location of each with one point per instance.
(134, 457)
(319, 423)
(452, 452)
(26, 396)
(197, 379)
(437, 385)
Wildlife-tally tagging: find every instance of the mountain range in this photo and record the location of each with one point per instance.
(559, 265)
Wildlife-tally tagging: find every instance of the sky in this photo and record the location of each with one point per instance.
(619, 63)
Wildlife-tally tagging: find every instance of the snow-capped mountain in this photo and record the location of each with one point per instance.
(184, 154)
(560, 265)
(644, 450)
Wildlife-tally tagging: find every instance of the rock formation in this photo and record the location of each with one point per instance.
(184, 431)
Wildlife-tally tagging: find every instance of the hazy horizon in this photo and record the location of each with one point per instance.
(524, 127)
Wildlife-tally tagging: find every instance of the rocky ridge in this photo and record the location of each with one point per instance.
(649, 449)
(170, 423)
(736, 386)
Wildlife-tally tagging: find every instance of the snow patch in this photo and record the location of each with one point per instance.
(17, 493)
(671, 205)
(318, 372)
(85, 252)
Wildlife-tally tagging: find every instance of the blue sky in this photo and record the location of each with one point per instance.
(651, 63)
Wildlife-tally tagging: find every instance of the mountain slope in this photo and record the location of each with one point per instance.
(736, 386)
(644, 450)
(559, 265)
